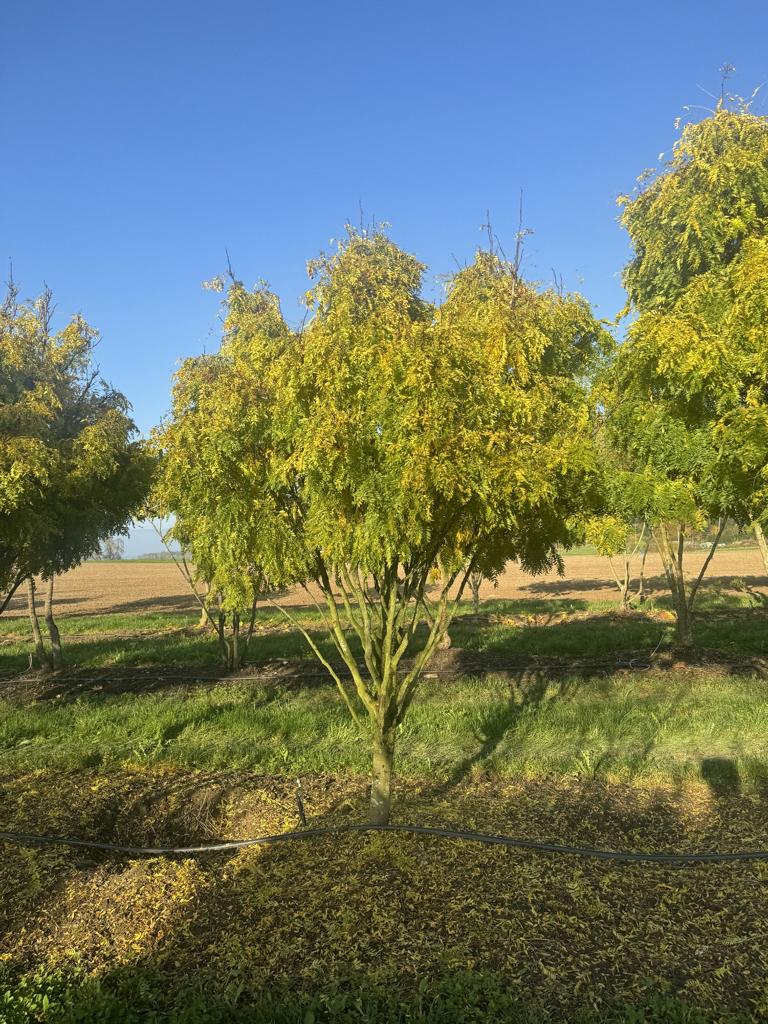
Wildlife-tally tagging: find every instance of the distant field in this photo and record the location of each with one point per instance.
(151, 587)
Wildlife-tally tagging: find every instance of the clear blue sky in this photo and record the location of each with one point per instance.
(141, 140)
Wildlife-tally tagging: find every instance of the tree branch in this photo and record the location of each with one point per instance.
(324, 661)
(707, 560)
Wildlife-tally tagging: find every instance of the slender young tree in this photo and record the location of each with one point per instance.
(623, 541)
(383, 441)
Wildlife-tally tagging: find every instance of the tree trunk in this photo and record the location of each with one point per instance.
(251, 625)
(683, 617)
(381, 778)
(625, 584)
(684, 623)
(673, 567)
(208, 598)
(762, 543)
(622, 582)
(224, 644)
(203, 621)
(236, 657)
(40, 651)
(475, 582)
(641, 585)
(57, 657)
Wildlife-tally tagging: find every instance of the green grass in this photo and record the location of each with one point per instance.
(464, 997)
(626, 726)
(137, 622)
(601, 636)
(86, 648)
(104, 623)
(630, 727)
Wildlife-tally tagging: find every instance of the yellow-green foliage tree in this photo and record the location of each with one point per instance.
(383, 441)
(219, 405)
(686, 398)
(71, 474)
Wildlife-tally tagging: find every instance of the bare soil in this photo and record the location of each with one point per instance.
(150, 587)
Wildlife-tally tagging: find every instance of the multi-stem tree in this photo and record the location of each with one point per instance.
(686, 403)
(385, 443)
(71, 474)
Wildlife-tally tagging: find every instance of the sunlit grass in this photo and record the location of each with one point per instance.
(627, 727)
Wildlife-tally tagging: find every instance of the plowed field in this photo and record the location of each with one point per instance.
(126, 587)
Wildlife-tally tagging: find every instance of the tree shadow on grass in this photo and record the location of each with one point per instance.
(722, 776)
(569, 585)
(655, 585)
(527, 692)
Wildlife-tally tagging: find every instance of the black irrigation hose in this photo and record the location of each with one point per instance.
(28, 839)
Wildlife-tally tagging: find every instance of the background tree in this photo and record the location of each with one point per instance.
(385, 439)
(198, 451)
(475, 582)
(617, 526)
(111, 549)
(686, 402)
(226, 584)
(71, 474)
(624, 541)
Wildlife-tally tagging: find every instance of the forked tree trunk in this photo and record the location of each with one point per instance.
(762, 543)
(57, 657)
(232, 648)
(683, 597)
(385, 623)
(40, 651)
(622, 582)
(381, 777)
